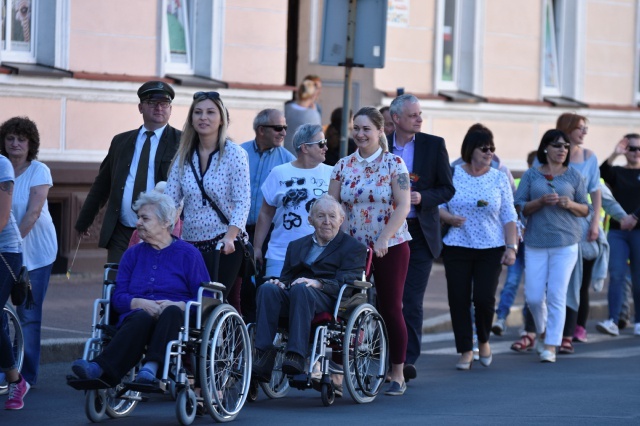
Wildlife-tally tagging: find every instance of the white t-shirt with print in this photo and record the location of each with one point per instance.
(292, 191)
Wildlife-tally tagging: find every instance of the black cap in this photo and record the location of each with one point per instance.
(156, 90)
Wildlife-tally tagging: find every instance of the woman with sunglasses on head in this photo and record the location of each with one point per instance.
(373, 186)
(585, 161)
(481, 239)
(623, 236)
(553, 198)
(208, 161)
(289, 191)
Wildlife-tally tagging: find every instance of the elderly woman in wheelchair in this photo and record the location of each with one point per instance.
(155, 280)
(315, 269)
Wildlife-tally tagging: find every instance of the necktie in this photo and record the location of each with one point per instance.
(140, 184)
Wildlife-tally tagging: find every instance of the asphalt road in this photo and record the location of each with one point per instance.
(599, 385)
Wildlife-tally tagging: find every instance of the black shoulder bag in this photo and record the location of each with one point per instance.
(21, 289)
(248, 266)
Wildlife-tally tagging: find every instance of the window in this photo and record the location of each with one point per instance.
(18, 30)
(561, 76)
(192, 33)
(456, 72)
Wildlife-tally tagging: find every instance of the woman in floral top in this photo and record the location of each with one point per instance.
(206, 155)
(373, 186)
(483, 221)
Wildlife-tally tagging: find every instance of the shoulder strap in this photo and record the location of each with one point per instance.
(15, 279)
(213, 205)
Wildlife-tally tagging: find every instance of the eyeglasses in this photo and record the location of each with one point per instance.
(290, 182)
(486, 149)
(561, 145)
(276, 127)
(633, 148)
(208, 95)
(583, 129)
(156, 104)
(321, 143)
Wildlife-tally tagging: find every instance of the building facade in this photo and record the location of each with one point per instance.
(73, 66)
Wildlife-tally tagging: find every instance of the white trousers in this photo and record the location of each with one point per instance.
(547, 272)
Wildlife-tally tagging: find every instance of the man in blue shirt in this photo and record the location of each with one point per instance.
(265, 152)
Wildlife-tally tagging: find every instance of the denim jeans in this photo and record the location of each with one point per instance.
(7, 362)
(31, 322)
(511, 284)
(623, 245)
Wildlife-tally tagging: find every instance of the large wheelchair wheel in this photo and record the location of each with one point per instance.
(15, 334)
(278, 387)
(225, 363)
(122, 406)
(365, 353)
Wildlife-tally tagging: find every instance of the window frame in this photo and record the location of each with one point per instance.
(9, 55)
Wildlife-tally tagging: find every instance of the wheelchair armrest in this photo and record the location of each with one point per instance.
(363, 285)
(212, 285)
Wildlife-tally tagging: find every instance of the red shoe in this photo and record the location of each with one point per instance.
(17, 391)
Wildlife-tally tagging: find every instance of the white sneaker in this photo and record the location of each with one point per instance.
(547, 356)
(499, 327)
(636, 329)
(610, 327)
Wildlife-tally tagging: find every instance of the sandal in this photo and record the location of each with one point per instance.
(525, 344)
(566, 347)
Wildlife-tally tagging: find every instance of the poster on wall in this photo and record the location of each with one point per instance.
(398, 13)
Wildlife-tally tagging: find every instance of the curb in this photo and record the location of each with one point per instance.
(67, 350)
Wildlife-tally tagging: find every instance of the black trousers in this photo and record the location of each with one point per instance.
(472, 275)
(118, 243)
(138, 331)
(228, 266)
(420, 263)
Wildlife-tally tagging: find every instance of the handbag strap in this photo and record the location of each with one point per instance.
(9, 268)
(213, 205)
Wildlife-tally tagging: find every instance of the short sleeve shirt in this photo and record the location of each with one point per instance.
(292, 191)
(366, 193)
(10, 241)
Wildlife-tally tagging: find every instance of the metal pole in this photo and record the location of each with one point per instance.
(346, 100)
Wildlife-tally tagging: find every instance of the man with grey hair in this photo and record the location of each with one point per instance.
(265, 152)
(315, 268)
(427, 159)
(289, 191)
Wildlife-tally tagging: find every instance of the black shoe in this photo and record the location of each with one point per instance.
(622, 324)
(293, 364)
(409, 371)
(263, 362)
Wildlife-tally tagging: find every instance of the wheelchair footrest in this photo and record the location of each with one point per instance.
(158, 387)
(300, 381)
(87, 384)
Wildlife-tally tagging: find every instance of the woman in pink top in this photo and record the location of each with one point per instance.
(373, 185)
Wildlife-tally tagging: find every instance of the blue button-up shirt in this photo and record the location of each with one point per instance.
(260, 165)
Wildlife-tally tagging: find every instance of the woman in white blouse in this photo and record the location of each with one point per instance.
(207, 157)
(481, 239)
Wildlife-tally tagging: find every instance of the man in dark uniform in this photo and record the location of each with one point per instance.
(120, 179)
(427, 159)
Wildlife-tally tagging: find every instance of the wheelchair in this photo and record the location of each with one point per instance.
(212, 354)
(351, 341)
(15, 333)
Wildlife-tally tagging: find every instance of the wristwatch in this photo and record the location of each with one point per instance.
(514, 247)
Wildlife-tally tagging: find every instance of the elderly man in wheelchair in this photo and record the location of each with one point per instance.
(155, 280)
(315, 269)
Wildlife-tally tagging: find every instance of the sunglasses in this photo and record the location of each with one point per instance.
(208, 95)
(560, 145)
(486, 149)
(290, 182)
(321, 143)
(633, 148)
(276, 127)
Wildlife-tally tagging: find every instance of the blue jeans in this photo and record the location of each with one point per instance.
(7, 361)
(31, 322)
(511, 284)
(623, 245)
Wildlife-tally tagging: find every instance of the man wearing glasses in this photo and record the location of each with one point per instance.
(265, 152)
(136, 161)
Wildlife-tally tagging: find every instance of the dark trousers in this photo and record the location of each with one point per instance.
(580, 317)
(472, 275)
(118, 243)
(139, 330)
(299, 303)
(7, 360)
(228, 266)
(250, 284)
(420, 263)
